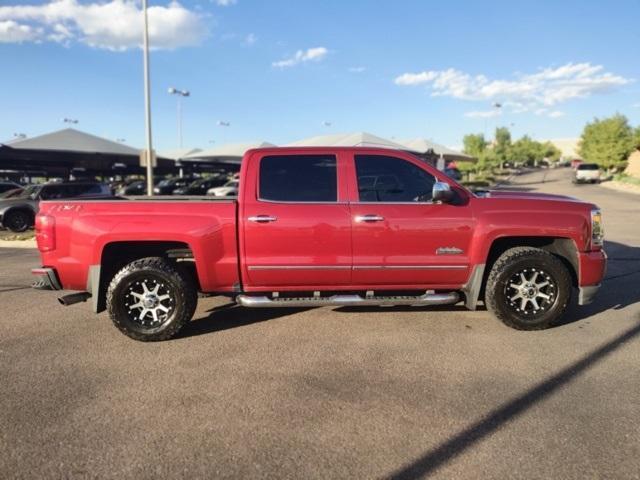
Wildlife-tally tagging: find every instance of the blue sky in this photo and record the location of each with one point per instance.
(276, 70)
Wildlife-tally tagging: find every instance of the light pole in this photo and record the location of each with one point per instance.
(70, 120)
(180, 94)
(147, 101)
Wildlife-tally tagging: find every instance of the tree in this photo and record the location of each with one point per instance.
(607, 142)
(551, 152)
(526, 150)
(474, 144)
(502, 147)
(636, 137)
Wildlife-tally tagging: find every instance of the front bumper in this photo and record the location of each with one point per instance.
(587, 294)
(593, 266)
(47, 279)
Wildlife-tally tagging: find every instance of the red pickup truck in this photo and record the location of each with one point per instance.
(324, 226)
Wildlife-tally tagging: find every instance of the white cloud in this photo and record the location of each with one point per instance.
(530, 92)
(302, 56)
(484, 113)
(14, 32)
(636, 105)
(357, 69)
(556, 114)
(225, 3)
(250, 39)
(112, 24)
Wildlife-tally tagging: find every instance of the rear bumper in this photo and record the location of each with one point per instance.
(47, 279)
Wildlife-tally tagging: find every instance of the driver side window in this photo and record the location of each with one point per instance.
(391, 179)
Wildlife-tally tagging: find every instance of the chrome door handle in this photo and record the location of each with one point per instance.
(369, 218)
(262, 218)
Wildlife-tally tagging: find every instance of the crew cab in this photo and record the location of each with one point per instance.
(320, 227)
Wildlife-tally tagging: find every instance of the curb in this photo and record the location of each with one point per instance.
(621, 187)
(18, 244)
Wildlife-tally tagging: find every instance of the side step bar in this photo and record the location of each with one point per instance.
(349, 300)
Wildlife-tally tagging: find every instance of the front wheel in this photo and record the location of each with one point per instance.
(150, 300)
(528, 288)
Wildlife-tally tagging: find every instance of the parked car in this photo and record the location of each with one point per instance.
(167, 186)
(200, 186)
(12, 193)
(310, 229)
(6, 185)
(575, 162)
(137, 187)
(229, 189)
(587, 173)
(17, 213)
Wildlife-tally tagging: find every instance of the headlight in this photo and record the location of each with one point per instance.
(597, 229)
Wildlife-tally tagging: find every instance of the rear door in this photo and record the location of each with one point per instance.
(296, 223)
(400, 237)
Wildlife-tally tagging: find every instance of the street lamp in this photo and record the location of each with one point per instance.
(147, 101)
(70, 120)
(20, 135)
(180, 94)
(222, 123)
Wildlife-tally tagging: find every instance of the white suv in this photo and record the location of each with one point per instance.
(587, 173)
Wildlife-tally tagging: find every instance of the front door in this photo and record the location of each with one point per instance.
(296, 229)
(401, 238)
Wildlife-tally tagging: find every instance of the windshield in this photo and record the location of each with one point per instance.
(30, 191)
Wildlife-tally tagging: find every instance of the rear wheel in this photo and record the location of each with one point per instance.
(18, 221)
(150, 300)
(528, 288)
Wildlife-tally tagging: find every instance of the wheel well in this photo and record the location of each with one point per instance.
(118, 254)
(563, 248)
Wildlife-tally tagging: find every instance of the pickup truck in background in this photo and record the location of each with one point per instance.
(318, 227)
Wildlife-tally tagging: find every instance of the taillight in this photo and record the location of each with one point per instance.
(45, 233)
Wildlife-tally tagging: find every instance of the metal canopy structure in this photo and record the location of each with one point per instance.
(58, 153)
(230, 153)
(423, 146)
(354, 139)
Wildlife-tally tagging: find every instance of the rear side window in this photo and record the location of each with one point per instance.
(392, 179)
(298, 178)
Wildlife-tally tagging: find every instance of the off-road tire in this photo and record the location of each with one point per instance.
(18, 221)
(527, 259)
(176, 283)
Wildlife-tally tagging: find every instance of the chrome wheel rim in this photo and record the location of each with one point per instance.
(531, 292)
(149, 302)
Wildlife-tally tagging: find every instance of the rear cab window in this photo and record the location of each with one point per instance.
(298, 178)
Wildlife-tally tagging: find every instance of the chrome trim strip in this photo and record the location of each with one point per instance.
(410, 267)
(300, 267)
(357, 267)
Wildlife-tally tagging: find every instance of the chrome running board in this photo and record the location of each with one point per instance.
(428, 298)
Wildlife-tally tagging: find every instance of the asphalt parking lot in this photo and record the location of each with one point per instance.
(328, 393)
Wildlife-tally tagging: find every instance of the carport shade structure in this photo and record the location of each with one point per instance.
(56, 154)
(422, 146)
(224, 155)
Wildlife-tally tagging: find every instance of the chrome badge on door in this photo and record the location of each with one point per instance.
(448, 251)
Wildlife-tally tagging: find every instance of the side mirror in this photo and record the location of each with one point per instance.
(441, 192)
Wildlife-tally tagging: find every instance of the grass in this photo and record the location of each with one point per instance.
(7, 235)
(624, 178)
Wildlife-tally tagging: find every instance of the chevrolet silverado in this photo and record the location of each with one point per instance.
(324, 227)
